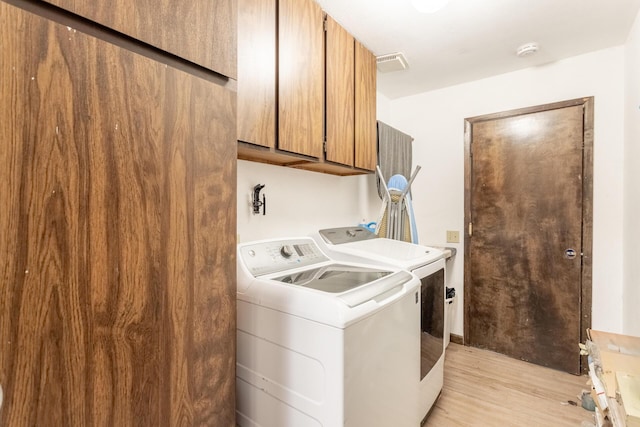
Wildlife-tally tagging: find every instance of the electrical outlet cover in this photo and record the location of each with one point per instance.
(453, 236)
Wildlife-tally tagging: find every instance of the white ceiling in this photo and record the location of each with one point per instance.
(473, 39)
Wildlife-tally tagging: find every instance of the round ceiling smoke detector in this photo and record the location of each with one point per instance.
(527, 49)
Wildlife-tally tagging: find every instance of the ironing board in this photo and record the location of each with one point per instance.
(396, 217)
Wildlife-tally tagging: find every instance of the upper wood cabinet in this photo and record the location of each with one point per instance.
(257, 72)
(285, 110)
(350, 100)
(200, 31)
(340, 94)
(300, 77)
(365, 101)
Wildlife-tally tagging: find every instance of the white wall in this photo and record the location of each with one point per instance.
(435, 119)
(299, 202)
(631, 290)
(383, 107)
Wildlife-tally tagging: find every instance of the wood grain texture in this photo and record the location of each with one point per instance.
(340, 94)
(257, 72)
(587, 224)
(117, 251)
(302, 102)
(300, 77)
(201, 31)
(523, 296)
(365, 92)
(483, 388)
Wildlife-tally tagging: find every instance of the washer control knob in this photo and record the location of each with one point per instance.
(286, 251)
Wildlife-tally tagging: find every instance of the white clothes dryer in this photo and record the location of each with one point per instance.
(359, 244)
(321, 342)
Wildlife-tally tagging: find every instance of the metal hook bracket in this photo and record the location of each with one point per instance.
(255, 200)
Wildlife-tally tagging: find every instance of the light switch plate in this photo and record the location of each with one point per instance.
(453, 236)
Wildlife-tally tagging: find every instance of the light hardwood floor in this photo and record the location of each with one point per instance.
(483, 388)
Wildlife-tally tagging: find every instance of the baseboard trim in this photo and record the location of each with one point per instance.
(457, 339)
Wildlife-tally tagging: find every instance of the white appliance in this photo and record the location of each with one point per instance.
(324, 343)
(428, 264)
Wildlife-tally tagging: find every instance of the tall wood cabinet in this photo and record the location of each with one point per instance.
(117, 235)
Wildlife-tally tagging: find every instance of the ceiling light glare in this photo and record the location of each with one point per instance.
(429, 6)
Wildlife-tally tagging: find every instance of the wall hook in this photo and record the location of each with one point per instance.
(255, 201)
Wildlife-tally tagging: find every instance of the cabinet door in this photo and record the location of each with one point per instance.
(200, 31)
(339, 94)
(366, 139)
(117, 235)
(257, 72)
(300, 77)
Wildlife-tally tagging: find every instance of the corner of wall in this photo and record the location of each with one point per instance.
(631, 240)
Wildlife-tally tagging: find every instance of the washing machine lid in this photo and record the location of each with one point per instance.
(332, 306)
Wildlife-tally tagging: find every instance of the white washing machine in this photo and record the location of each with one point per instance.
(324, 343)
(428, 264)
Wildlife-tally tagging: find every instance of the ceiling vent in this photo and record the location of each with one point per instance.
(392, 62)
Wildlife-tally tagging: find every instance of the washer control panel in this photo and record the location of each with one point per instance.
(273, 256)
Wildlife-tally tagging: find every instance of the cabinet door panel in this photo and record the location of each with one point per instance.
(200, 31)
(300, 77)
(339, 94)
(257, 72)
(366, 141)
(117, 237)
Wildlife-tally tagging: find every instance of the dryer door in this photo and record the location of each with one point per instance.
(431, 320)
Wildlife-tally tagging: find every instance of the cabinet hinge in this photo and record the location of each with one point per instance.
(324, 24)
(324, 146)
(470, 229)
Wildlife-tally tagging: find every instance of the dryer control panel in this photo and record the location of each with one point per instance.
(340, 235)
(273, 256)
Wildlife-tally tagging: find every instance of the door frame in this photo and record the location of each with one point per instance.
(587, 204)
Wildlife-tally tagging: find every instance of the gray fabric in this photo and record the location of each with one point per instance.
(394, 154)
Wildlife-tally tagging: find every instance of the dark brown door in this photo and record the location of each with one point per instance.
(528, 198)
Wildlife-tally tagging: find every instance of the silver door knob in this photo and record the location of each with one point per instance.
(570, 253)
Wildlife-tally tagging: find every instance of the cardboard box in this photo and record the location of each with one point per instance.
(629, 388)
